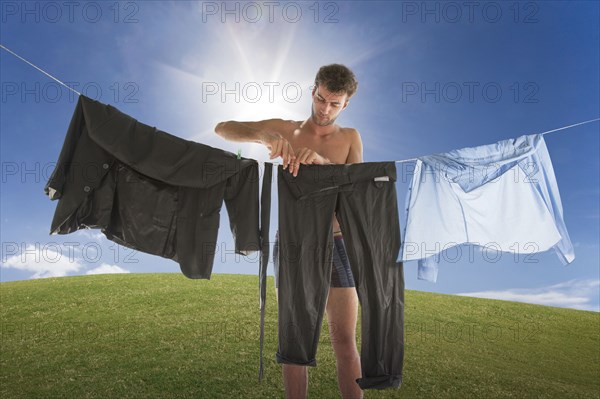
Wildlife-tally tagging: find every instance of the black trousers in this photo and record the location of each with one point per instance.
(363, 197)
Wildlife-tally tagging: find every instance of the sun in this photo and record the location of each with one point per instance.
(239, 76)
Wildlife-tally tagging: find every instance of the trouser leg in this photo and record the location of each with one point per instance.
(368, 217)
(305, 256)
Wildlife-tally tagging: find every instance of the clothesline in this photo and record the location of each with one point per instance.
(546, 132)
(39, 69)
(400, 161)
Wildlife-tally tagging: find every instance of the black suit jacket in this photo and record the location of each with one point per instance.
(151, 191)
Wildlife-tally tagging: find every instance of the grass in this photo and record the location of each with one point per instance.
(166, 336)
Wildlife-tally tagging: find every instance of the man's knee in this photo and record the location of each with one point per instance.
(346, 352)
(342, 340)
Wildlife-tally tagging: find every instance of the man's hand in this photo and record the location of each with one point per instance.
(308, 157)
(278, 147)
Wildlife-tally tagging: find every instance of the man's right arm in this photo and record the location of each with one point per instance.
(248, 132)
(266, 132)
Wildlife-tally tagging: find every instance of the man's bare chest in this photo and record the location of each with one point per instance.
(335, 147)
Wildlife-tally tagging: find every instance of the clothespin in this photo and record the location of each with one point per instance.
(239, 153)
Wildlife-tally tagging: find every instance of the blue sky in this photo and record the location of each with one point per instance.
(433, 77)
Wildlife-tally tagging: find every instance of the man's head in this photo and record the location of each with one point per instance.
(334, 85)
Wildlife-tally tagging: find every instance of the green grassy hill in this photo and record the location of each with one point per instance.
(166, 336)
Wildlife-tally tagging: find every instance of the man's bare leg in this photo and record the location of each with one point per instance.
(295, 378)
(342, 313)
(295, 381)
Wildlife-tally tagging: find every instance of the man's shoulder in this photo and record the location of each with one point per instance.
(350, 132)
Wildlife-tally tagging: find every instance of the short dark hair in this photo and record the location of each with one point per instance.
(337, 78)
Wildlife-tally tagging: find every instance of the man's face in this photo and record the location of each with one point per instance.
(327, 106)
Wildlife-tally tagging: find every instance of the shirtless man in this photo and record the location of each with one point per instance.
(318, 140)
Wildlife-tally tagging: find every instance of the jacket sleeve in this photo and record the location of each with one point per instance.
(241, 200)
(54, 186)
(158, 154)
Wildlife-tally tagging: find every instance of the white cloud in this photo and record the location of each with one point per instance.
(52, 260)
(107, 269)
(576, 294)
(44, 261)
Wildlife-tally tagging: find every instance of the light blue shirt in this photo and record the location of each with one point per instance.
(501, 196)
